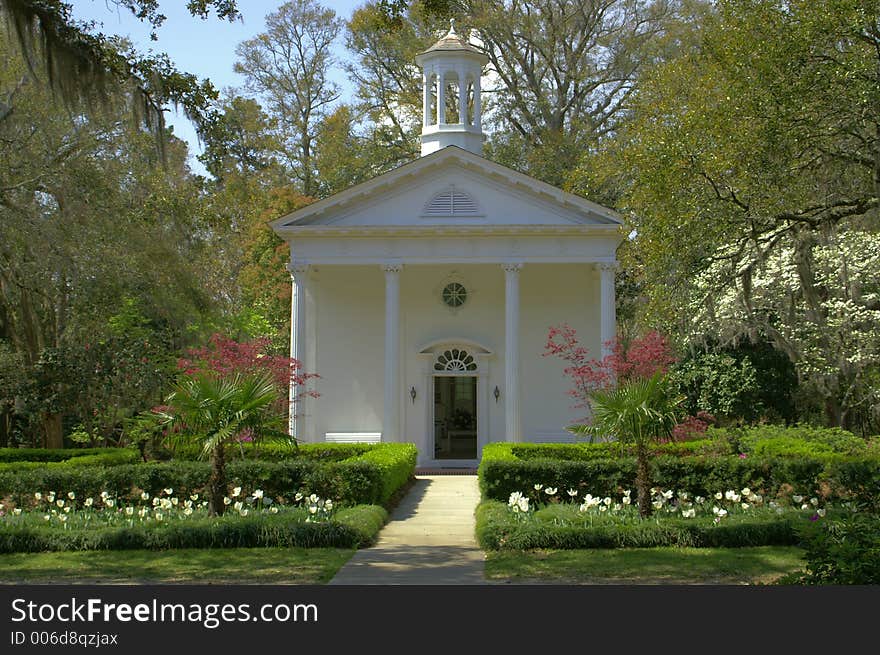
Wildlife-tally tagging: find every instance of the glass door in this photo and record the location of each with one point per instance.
(455, 417)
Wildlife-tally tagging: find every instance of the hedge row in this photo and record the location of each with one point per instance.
(107, 457)
(498, 529)
(835, 477)
(369, 478)
(350, 528)
(68, 455)
(280, 451)
(763, 440)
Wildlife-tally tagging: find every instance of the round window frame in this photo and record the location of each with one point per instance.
(455, 291)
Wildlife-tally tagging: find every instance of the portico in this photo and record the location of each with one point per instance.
(423, 297)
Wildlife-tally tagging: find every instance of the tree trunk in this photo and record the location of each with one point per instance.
(53, 435)
(643, 480)
(218, 482)
(5, 428)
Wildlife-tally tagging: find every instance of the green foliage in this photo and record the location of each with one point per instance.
(841, 551)
(104, 457)
(49, 454)
(498, 529)
(750, 180)
(746, 383)
(774, 438)
(832, 475)
(351, 528)
(370, 474)
(637, 411)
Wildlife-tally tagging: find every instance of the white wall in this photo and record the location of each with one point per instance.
(552, 295)
(349, 304)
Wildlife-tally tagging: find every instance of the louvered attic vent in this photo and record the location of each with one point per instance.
(451, 202)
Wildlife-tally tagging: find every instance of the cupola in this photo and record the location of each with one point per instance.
(451, 70)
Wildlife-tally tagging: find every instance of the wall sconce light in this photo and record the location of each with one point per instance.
(496, 393)
(412, 394)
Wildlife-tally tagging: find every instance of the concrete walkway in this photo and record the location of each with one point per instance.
(428, 541)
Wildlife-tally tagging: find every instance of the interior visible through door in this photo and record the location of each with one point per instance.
(455, 417)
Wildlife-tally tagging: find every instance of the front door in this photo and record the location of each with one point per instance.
(455, 417)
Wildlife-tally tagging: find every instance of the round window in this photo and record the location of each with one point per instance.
(454, 294)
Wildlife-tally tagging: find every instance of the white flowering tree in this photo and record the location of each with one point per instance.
(817, 296)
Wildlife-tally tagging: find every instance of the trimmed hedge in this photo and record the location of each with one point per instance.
(110, 457)
(350, 528)
(279, 451)
(368, 478)
(68, 455)
(498, 529)
(794, 441)
(833, 476)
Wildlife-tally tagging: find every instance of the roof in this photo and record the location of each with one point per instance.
(452, 42)
(317, 213)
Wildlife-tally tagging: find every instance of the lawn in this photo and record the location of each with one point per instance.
(194, 566)
(728, 566)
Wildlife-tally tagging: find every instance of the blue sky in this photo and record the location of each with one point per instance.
(204, 48)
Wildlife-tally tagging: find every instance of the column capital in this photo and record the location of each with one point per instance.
(512, 267)
(608, 267)
(392, 267)
(298, 268)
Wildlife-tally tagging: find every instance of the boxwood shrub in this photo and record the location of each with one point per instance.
(349, 528)
(12, 458)
(371, 476)
(279, 451)
(49, 454)
(831, 475)
(498, 529)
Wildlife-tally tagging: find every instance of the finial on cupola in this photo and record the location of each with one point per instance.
(451, 94)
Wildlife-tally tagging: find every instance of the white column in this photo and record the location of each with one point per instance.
(462, 98)
(426, 100)
(391, 422)
(299, 275)
(441, 99)
(608, 318)
(477, 118)
(513, 428)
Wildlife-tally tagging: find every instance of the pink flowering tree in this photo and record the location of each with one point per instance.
(224, 357)
(231, 392)
(640, 360)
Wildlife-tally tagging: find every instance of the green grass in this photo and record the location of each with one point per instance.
(736, 566)
(194, 566)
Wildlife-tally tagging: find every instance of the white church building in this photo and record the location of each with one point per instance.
(423, 297)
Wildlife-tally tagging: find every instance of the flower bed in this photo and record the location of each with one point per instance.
(546, 518)
(507, 468)
(65, 522)
(370, 476)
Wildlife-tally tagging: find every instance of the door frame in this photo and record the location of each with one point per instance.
(481, 355)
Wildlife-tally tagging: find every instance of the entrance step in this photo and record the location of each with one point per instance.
(446, 471)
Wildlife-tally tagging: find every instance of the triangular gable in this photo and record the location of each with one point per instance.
(450, 187)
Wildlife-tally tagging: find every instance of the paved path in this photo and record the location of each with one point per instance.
(429, 539)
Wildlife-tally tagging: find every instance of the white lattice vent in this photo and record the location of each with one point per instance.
(451, 202)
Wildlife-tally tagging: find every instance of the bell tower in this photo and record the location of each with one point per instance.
(451, 70)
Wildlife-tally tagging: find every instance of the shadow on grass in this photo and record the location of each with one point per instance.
(737, 566)
(191, 566)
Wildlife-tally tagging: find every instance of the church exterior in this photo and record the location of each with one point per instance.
(423, 297)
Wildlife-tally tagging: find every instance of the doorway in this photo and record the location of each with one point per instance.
(455, 417)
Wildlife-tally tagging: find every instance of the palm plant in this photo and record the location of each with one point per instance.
(217, 410)
(637, 412)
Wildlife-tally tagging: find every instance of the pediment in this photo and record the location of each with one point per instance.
(451, 187)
